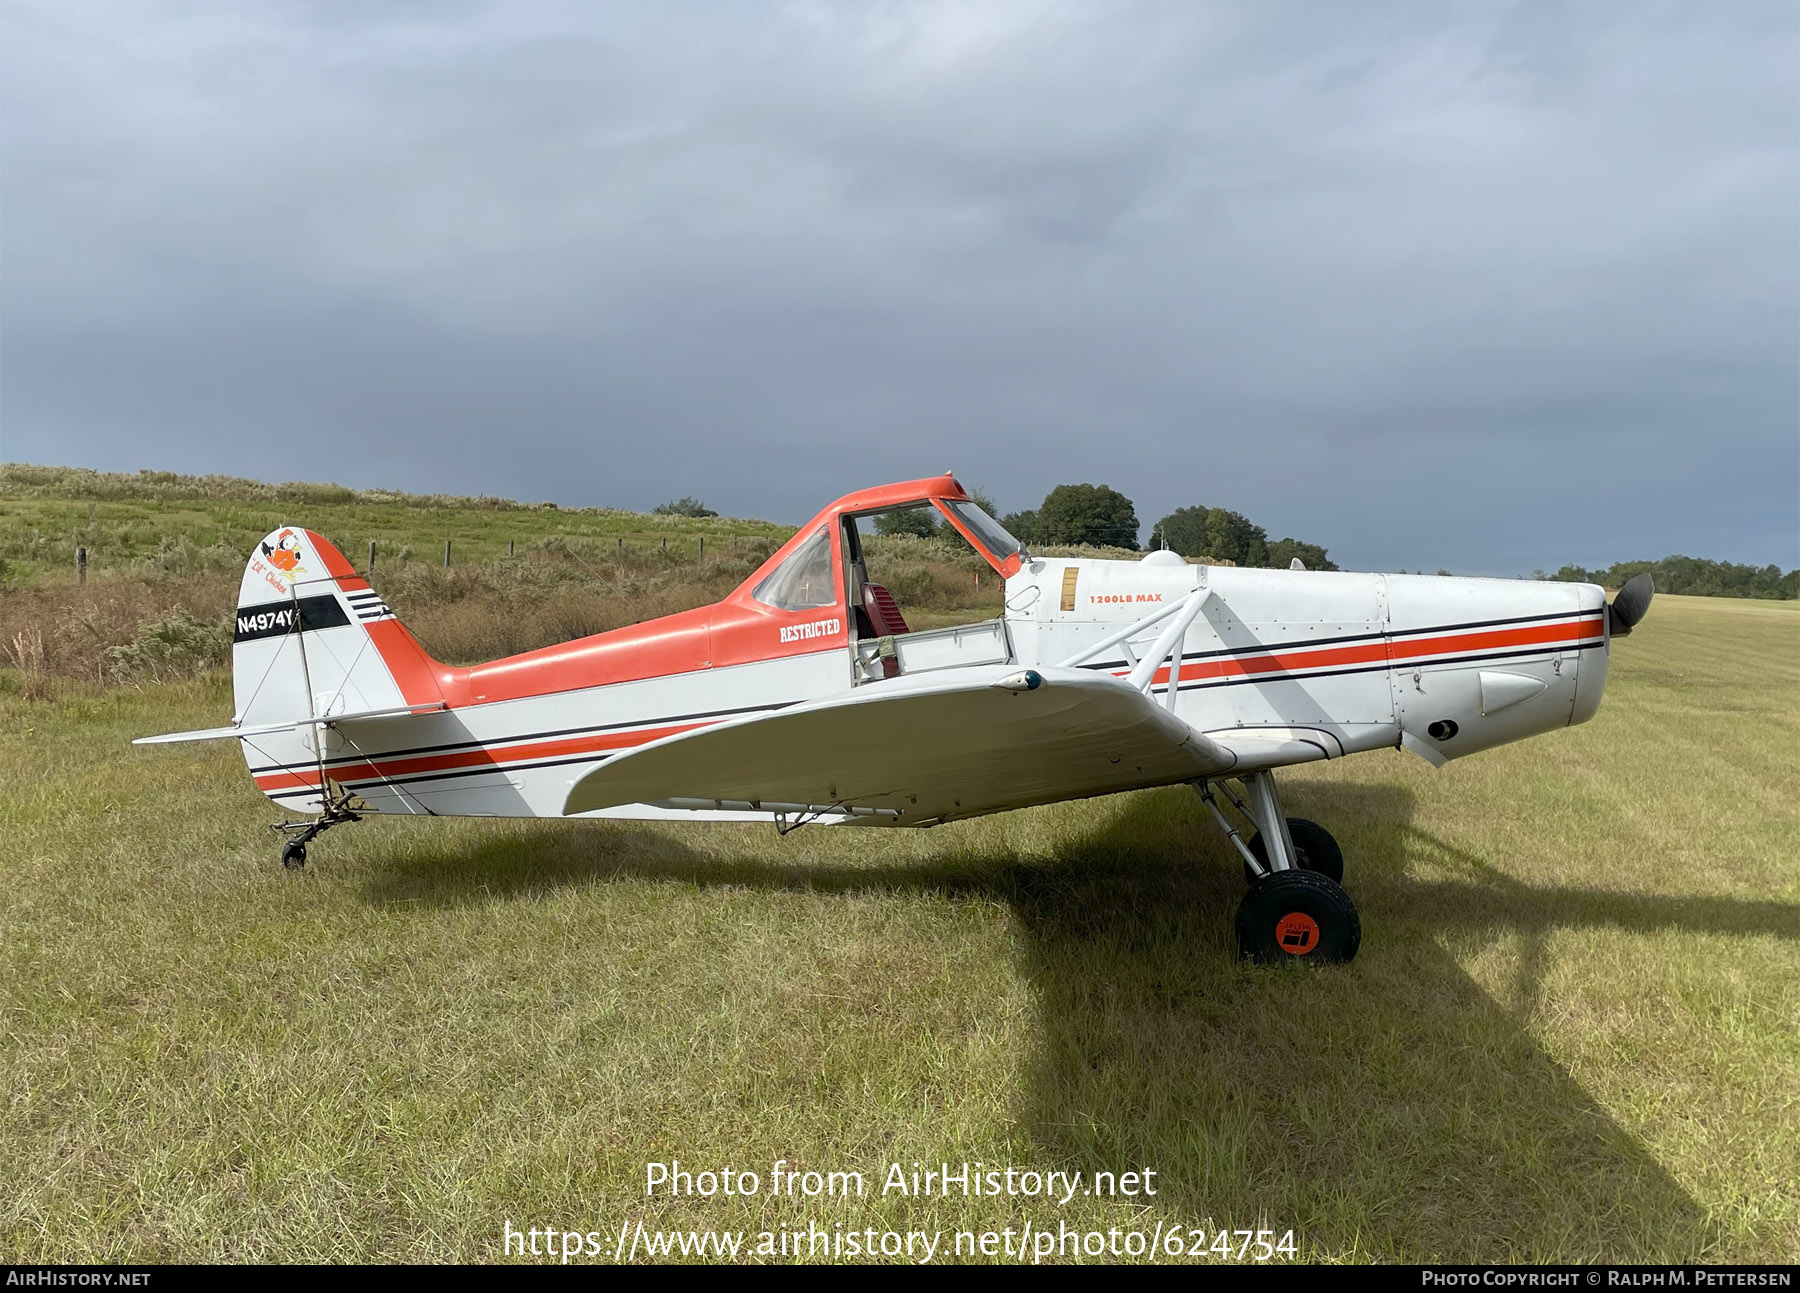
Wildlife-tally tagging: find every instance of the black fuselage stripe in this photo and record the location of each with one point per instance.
(1358, 637)
(398, 783)
(1301, 675)
(448, 747)
(1490, 624)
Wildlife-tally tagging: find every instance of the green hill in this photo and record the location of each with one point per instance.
(175, 522)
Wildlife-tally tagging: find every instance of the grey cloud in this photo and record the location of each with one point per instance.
(1490, 288)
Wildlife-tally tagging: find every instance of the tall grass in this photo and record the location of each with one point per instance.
(161, 522)
(30, 480)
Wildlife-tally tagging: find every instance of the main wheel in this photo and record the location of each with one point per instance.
(1299, 914)
(293, 855)
(1314, 849)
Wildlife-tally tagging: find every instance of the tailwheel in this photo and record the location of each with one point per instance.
(302, 833)
(1314, 847)
(1302, 914)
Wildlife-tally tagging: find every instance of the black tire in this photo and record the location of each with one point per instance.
(293, 856)
(1314, 848)
(1300, 916)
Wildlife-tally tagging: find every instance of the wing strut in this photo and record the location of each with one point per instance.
(1167, 646)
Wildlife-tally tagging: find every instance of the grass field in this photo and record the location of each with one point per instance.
(1573, 1032)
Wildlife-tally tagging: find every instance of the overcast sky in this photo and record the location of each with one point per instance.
(1484, 286)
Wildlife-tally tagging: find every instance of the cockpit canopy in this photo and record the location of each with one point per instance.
(806, 574)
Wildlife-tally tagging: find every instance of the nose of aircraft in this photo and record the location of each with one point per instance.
(1629, 605)
(1627, 608)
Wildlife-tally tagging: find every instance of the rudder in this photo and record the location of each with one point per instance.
(312, 639)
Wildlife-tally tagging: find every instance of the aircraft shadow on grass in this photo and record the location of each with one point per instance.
(1393, 1108)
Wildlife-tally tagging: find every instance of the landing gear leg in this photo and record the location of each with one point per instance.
(1271, 826)
(1254, 867)
(1309, 845)
(1295, 906)
(293, 852)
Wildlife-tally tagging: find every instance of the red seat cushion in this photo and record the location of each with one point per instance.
(883, 612)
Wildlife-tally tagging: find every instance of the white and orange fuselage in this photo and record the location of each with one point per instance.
(1278, 667)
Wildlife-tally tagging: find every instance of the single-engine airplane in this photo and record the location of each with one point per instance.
(804, 697)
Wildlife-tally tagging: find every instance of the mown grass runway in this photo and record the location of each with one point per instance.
(1573, 1032)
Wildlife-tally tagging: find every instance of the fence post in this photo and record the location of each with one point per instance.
(371, 556)
(509, 547)
(619, 546)
(703, 547)
(665, 543)
(446, 554)
(81, 565)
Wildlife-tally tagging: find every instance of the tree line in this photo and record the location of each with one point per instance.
(1100, 515)
(1692, 577)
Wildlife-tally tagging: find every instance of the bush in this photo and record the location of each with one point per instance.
(920, 522)
(1087, 514)
(26, 654)
(1021, 525)
(180, 555)
(1312, 556)
(175, 646)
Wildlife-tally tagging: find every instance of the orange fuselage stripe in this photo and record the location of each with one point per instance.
(1382, 651)
(399, 768)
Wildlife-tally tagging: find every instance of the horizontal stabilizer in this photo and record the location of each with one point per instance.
(920, 749)
(266, 729)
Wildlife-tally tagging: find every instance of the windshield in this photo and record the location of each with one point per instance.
(802, 581)
(992, 534)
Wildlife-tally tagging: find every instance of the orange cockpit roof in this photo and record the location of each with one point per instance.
(879, 498)
(905, 491)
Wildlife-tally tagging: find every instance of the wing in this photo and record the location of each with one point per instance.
(921, 749)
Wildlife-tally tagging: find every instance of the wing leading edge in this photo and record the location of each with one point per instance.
(922, 749)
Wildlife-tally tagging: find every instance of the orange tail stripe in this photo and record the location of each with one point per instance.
(335, 563)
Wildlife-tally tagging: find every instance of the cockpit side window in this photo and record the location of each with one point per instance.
(803, 581)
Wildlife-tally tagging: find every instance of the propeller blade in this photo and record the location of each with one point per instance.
(1629, 605)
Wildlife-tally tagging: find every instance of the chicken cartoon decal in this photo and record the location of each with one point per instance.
(805, 697)
(284, 553)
